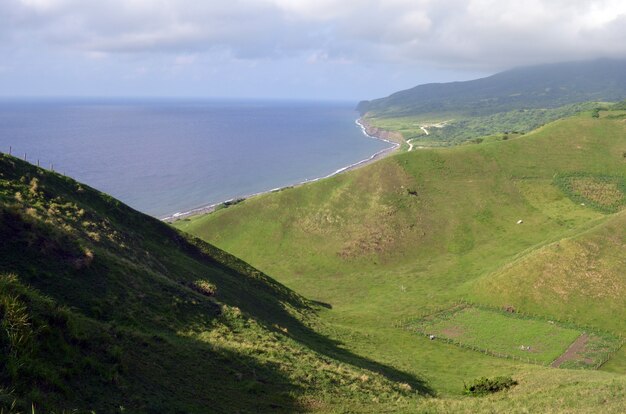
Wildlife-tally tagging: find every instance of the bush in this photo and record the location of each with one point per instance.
(204, 288)
(484, 386)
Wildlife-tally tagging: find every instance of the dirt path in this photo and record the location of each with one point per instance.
(573, 351)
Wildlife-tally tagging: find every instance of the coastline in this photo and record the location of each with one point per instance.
(366, 129)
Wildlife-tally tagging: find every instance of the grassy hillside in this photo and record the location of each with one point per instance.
(103, 308)
(415, 233)
(446, 129)
(514, 101)
(542, 86)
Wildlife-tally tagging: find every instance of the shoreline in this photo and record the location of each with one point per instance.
(376, 156)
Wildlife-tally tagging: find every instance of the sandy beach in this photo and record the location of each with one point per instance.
(367, 131)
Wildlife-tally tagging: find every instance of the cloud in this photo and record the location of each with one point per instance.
(185, 60)
(453, 33)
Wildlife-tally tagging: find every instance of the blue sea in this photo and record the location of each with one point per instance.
(165, 157)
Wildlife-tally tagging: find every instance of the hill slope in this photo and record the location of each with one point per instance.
(415, 233)
(103, 308)
(544, 86)
(497, 107)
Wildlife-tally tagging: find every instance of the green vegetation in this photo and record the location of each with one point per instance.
(229, 203)
(420, 231)
(459, 128)
(604, 193)
(103, 308)
(544, 86)
(516, 101)
(484, 386)
(526, 338)
(543, 391)
(501, 335)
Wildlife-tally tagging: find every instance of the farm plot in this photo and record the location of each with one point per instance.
(508, 335)
(588, 351)
(603, 193)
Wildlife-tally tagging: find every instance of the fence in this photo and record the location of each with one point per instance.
(409, 323)
(25, 158)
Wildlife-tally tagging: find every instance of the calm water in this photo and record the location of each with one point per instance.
(167, 157)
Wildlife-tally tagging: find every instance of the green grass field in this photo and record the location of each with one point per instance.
(501, 335)
(416, 232)
(509, 335)
(461, 128)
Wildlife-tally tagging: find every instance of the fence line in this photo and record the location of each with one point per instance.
(450, 309)
(25, 158)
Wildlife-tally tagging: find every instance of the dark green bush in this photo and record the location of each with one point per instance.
(484, 386)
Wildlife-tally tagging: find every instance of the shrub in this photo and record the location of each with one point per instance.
(204, 288)
(483, 386)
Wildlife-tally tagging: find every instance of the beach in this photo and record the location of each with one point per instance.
(368, 131)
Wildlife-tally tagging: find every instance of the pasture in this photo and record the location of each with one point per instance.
(520, 337)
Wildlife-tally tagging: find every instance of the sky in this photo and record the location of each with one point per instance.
(288, 49)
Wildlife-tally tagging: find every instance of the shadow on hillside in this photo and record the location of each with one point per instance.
(143, 284)
(321, 304)
(272, 313)
(180, 374)
(82, 365)
(332, 349)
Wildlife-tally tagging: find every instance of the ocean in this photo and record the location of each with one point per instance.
(170, 156)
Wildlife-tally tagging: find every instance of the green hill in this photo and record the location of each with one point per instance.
(530, 228)
(514, 101)
(509, 252)
(543, 86)
(103, 308)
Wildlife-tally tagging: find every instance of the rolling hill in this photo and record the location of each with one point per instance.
(543, 86)
(517, 100)
(104, 309)
(383, 289)
(530, 228)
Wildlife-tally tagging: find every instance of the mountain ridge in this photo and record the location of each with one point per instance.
(540, 86)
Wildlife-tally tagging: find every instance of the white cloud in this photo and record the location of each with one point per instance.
(454, 33)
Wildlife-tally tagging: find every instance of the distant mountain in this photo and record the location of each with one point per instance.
(544, 86)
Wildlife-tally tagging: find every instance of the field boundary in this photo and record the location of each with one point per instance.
(447, 311)
(563, 181)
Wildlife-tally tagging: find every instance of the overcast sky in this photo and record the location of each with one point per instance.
(303, 49)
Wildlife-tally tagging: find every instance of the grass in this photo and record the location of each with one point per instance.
(522, 337)
(501, 335)
(604, 193)
(543, 391)
(465, 128)
(103, 308)
(418, 231)
(575, 278)
(595, 353)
